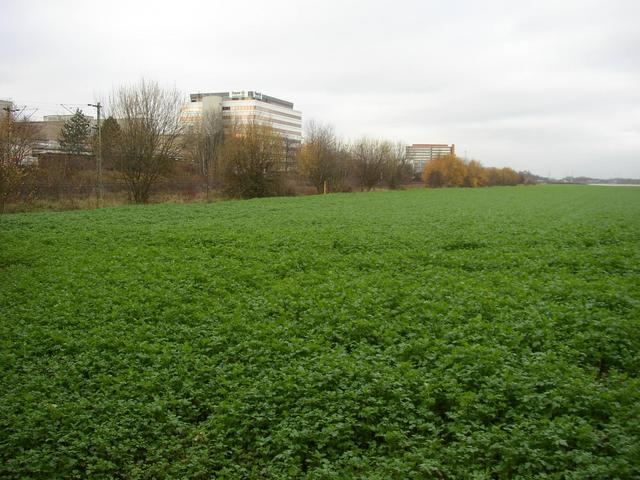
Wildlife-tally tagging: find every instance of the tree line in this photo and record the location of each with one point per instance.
(144, 140)
(452, 171)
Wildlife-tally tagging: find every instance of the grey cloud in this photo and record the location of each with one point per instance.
(536, 85)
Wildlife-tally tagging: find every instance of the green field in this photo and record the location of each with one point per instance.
(486, 333)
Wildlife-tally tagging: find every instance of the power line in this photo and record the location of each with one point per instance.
(41, 102)
(63, 106)
(20, 111)
(45, 108)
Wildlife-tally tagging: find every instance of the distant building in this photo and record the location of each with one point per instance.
(64, 118)
(247, 106)
(49, 130)
(419, 154)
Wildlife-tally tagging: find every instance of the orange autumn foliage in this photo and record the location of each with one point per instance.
(452, 171)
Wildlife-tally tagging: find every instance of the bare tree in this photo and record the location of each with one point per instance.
(252, 161)
(369, 160)
(397, 169)
(291, 150)
(345, 168)
(204, 140)
(319, 160)
(110, 142)
(149, 118)
(17, 139)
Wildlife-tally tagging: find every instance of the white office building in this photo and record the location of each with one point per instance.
(419, 154)
(246, 107)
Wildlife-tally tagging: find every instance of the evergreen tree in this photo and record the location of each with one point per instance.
(75, 134)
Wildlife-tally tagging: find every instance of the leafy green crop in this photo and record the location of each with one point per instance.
(490, 333)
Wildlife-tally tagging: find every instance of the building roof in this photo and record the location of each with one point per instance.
(242, 95)
(431, 145)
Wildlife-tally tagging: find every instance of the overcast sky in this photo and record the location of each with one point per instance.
(548, 86)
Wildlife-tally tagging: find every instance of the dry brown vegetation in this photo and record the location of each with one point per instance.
(17, 135)
(452, 171)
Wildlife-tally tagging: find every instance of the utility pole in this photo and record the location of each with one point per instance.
(8, 147)
(8, 110)
(98, 107)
